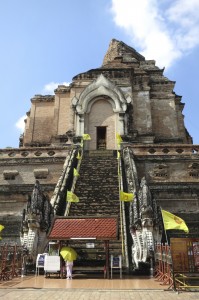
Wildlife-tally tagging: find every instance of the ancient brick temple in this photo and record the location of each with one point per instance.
(129, 96)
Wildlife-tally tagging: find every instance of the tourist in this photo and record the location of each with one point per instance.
(69, 269)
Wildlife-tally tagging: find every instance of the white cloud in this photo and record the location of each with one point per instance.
(51, 86)
(184, 15)
(20, 124)
(161, 30)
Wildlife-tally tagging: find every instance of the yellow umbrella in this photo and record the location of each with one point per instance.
(68, 253)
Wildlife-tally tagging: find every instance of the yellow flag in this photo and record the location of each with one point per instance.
(118, 138)
(78, 155)
(173, 222)
(75, 172)
(71, 197)
(126, 196)
(86, 137)
(1, 227)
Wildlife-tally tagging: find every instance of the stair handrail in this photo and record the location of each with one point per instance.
(75, 178)
(122, 216)
(61, 184)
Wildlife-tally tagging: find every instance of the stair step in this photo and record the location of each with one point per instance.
(98, 190)
(100, 153)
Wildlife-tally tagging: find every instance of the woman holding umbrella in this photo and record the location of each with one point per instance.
(69, 255)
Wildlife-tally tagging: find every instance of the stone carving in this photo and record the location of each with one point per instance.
(160, 171)
(37, 216)
(36, 220)
(145, 223)
(70, 135)
(194, 170)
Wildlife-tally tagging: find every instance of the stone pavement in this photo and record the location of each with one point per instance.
(85, 288)
(94, 294)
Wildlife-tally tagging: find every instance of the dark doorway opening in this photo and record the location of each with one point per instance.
(101, 138)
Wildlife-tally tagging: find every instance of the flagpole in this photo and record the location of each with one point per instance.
(121, 216)
(164, 227)
(119, 139)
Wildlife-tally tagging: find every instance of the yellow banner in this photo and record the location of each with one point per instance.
(86, 137)
(78, 155)
(75, 172)
(118, 138)
(173, 222)
(126, 196)
(71, 197)
(1, 227)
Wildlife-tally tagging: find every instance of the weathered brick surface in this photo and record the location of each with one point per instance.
(64, 114)
(153, 107)
(98, 191)
(14, 193)
(97, 187)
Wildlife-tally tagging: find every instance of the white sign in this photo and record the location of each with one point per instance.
(90, 245)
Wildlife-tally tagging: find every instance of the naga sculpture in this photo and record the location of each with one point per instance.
(36, 221)
(145, 220)
(38, 215)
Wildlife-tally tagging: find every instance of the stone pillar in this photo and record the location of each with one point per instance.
(120, 124)
(80, 125)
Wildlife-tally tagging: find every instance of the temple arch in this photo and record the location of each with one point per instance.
(105, 90)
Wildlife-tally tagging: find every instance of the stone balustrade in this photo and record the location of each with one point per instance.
(164, 149)
(34, 152)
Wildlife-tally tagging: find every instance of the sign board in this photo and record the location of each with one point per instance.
(116, 263)
(52, 264)
(40, 260)
(90, 245)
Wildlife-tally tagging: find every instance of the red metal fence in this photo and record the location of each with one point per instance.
(11, 257)
(163, 265)
(177, 265)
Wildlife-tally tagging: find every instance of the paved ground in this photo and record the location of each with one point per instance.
(84, 294)
(84, 288)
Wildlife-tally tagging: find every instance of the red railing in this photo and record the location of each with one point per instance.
(163, 265)
(10, 261)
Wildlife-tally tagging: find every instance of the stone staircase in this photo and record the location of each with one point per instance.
(98, 191)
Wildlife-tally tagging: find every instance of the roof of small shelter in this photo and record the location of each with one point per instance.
(99, 228)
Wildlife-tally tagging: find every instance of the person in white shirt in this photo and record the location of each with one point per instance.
(69, 269)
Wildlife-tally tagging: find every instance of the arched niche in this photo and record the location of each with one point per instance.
(101, 88)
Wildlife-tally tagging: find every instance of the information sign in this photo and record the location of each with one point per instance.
(116, 263)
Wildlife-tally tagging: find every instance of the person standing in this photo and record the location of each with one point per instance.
(69, 269)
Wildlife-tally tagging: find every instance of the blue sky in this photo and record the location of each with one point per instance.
(47, 42)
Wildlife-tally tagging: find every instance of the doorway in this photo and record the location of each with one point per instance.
(101, 138)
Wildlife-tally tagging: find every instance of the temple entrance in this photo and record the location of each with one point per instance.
(101, 138)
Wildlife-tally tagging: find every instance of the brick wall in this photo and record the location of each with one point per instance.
(41, 123)
(64, 113)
